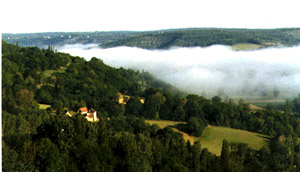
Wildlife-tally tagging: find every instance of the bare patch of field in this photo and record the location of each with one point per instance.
(44, 106)
(245, 47)
(163, 123)
(255, 108)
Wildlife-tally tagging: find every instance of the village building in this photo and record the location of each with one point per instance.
(90, 115)
(68, 113)
(124, 98)
(83, 110)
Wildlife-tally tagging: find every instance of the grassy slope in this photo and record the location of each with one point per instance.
(277, 104)
(260, 103)
(255, 108)
(162, 123)
(213, 136)
(48, 73)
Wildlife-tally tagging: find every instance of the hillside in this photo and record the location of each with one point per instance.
(213, 136)
(39, 85)
(63, 81)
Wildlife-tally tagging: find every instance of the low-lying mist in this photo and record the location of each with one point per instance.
(212, 70)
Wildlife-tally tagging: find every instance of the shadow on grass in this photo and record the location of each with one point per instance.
(267, 139)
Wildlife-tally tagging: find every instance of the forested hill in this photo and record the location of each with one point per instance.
(62, 81)
(47, 139)
(207, 37)
(163, 39)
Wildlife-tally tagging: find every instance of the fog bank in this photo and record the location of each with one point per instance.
(209, 69)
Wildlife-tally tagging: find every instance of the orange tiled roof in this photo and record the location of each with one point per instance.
(83, 109)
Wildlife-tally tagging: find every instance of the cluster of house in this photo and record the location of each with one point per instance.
(90, 114)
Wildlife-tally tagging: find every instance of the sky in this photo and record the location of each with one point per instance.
(19, 16)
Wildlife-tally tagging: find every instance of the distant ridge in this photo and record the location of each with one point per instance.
(162, 39)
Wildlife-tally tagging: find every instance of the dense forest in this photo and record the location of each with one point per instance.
(35, 139)
(163, 39)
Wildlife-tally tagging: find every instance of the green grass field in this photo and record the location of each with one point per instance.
(163, 123)
(255, 108)
(48, 73)
(259, 103)
(213, 136)
(276, 105)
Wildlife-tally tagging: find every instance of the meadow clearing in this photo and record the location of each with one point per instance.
(213, 136)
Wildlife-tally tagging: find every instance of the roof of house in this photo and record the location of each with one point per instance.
(83, 109)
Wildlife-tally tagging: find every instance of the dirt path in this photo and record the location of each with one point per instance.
(186, 137)
(255, 108)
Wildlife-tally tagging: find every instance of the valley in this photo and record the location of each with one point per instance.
(203, 105)
(150, 86)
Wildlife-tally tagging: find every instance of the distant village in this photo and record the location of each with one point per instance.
(91, 114)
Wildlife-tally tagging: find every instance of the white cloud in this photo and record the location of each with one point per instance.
(209, 69)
